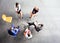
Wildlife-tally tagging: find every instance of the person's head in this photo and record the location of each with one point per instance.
(28, 35)
(17, 4)
(36, 8)
(41, 25)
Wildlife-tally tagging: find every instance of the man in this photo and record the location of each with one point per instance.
(13, 31)
(27, 33)
(37, 26)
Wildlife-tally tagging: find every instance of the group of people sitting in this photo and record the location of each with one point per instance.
(13, 30)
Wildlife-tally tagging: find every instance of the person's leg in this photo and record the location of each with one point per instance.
(31, 24)
(31, 15)
(21, 15)
(34, 15)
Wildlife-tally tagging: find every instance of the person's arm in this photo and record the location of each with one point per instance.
(15, 8)
(24, 33)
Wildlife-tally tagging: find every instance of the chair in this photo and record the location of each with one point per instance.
(7, 19)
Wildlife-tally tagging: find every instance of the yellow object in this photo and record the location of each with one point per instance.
(7, 19)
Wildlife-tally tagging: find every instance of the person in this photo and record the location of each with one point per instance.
(37, 26)
(27, 33)
(18, 9)
(13, 31)
(34, 11)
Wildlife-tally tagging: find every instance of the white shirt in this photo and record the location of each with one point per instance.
(18, 8)
(28, 37)
(36, 23)
(27, 34)
(13, 30)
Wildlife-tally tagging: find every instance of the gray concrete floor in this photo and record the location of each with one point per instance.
(49, 15)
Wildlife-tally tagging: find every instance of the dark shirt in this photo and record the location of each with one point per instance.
(34, 11)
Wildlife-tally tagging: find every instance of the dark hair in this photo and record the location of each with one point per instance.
(28, 35)
(41, 25)
(16, 4)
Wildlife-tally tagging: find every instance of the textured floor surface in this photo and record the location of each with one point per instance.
(49, 15)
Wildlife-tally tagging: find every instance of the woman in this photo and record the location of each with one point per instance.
(37, 26)
(18, 9)
(27, 34)
(34, 11)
